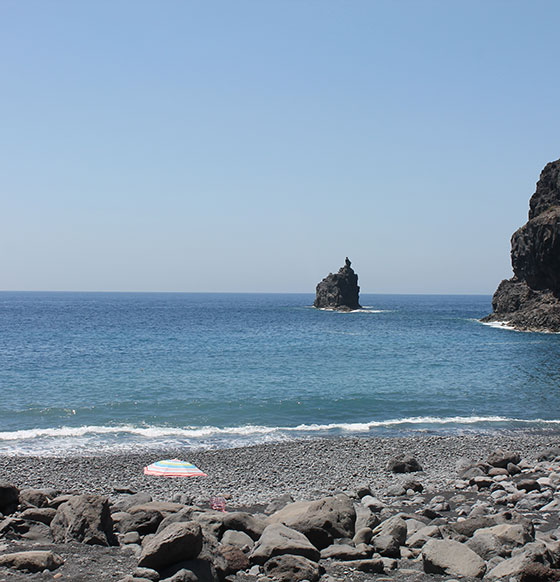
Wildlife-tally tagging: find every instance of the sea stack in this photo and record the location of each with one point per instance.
(529, 301)
(339, 291)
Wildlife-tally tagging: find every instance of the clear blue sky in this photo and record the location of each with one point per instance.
(252, 145)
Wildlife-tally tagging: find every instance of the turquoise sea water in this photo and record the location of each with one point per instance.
(114, 371)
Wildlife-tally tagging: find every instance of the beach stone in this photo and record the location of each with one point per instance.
(388, 536)
(512, 567)
(278, 539)
(183, 575)
(451, 558)
(371, 565)
(321, 521)
(57, 501)
(278, 503)
(238, 539)
(423, 535)
(404, 463)
(211, 522)
(344, 552)
(235, 559)
(163, 507)
(481, 482)
(143, 522)
(539, 573)
(132, 537)
(287, 568)
(42, 514)
(178, 541)
(487, 546)
(364, 517)
(527, 485)
(185, 514)
(362, 536)
(549, 454)
(147, 573)
(16, 528)
(84, 518)
(372, 503)
(395, 490)
(513, 469)
(501, 458)
(35, 497)
(413, 485)
(32, 561)
(468, 526)
(512, 535)
(362, 491)
(9, 497)
(245, 522)
(495, 471)
(125, 502)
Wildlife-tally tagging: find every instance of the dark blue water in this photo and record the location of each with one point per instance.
(85, 371)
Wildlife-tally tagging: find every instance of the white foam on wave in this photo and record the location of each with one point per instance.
(190, 432)
(498, 325)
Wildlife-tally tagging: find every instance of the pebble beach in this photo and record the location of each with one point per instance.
(305, 469)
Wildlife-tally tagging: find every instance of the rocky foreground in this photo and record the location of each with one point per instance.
(417, 509)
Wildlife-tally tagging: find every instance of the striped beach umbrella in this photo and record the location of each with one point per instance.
(173, 468)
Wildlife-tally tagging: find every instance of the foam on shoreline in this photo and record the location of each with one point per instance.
(92, 439)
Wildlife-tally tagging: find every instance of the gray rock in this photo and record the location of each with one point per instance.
(143, 522)
(501, 458)
(372, 565)
(42, 514)
(132, 537)
(125, 502)
(35, 497)
(339, 291)
(15, 528)
(345, 552)
(404, 463)
(510, 534)
(509, 568)
(362, 536)
(287, 568)
(147, 573)
(388, 536)
(372, 503)
(245, 522)
(395, 490)
(278, 503)
(365, 518)
(9, 498)
(487, 546)
(321, 521)
(84, 518)
(178, 541)
(278, 539)
(423, 535)
(33, 561)
(238, 539)
(451, 558)
(235, 559)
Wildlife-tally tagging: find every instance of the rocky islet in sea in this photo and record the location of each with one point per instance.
(530, 300)
(339, 291)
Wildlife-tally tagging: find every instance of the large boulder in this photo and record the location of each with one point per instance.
(321, 521)
(277, 540)
(292, 569)
(404, 463)
(32, 561)
(452, 559)
(177, 542)
(9, 497)
(530, 300)
(245, 522)
(86, 519)
(389, 536)
(339, 291)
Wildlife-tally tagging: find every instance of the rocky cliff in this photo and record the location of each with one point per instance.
(530, 300)
(339, 291)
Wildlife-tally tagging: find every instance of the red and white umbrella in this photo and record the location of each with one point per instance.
(173, 468)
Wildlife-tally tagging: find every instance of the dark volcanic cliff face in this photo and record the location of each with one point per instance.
(339, 291)
(530, 300)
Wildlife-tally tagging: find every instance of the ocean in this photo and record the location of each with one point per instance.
(86, 373)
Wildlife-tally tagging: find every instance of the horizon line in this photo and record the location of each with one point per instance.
(227, 292)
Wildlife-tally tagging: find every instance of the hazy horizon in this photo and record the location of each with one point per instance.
(251, 147)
